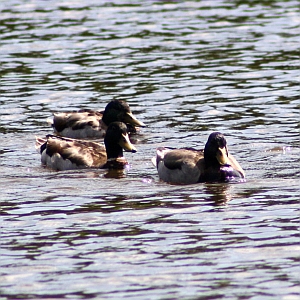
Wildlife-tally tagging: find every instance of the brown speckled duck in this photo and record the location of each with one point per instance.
(187, 165)
(61, 153)
(93, 124)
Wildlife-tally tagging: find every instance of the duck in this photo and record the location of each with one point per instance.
(189, 165)
(60, 153)
(86, 123)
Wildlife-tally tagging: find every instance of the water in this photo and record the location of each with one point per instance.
(186, 69)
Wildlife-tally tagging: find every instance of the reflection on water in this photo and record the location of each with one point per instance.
(219, 193)
(117, 174)
(186, 69)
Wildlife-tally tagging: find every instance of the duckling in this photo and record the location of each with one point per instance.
(61, 153)
(93, 124)
(188, 165)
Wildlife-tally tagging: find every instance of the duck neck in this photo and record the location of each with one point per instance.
(210, 160)
(113, 151)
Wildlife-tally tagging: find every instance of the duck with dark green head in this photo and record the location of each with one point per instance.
(187, 165)
(93, 124)
(62, 153)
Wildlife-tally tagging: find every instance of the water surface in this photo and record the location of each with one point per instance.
(186, 69)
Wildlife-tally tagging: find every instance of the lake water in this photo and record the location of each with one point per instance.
(186, 68)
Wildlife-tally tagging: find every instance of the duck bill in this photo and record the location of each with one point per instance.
(126, 144)
(222, 156)
(131, 119)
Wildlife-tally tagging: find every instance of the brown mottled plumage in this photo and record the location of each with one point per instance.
(62, 153)
(93, 124)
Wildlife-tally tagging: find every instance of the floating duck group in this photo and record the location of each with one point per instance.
(70, 147)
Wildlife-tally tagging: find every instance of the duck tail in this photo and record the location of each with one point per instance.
(50, 121)
(39, 142)
(160, 153)
(153, 160)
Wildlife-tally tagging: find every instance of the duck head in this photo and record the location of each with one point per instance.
(216, 151)
(116, 139)
(118, 110)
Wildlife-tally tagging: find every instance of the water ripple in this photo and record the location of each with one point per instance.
(186, 69)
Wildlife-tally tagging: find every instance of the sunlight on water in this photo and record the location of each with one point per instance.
(186, 69)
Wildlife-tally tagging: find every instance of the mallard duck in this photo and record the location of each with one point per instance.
(187, 165)
(62, 153)
(93, 124)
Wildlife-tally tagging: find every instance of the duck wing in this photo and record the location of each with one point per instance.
(183, 166)
(84, 123)
(63, 153)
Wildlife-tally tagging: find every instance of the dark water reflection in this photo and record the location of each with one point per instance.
(186, 69)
